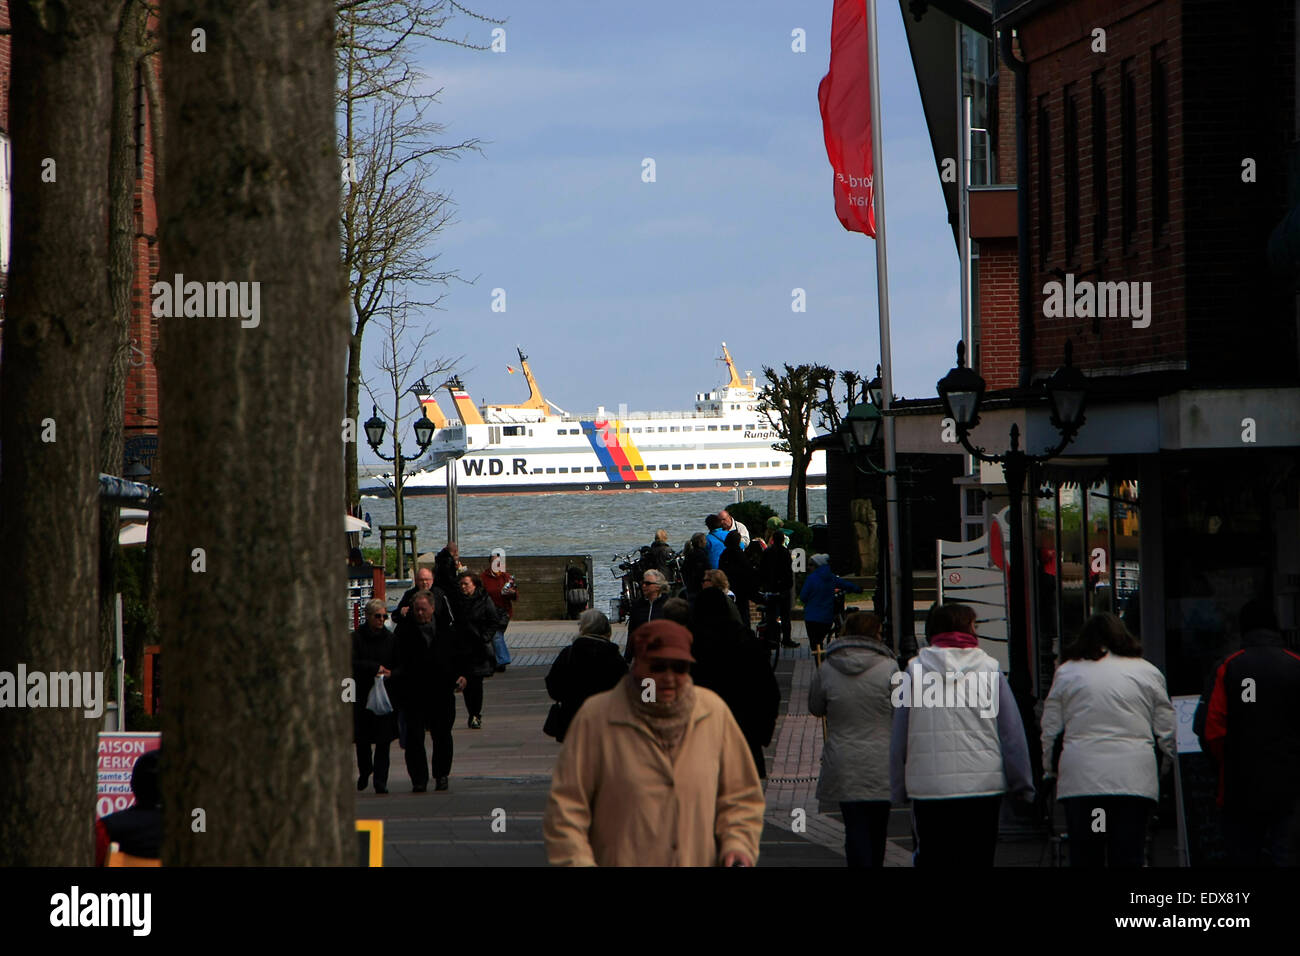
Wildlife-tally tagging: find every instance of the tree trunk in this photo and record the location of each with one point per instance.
(127, 47)
(257, 765)
(804, 461)
(353, 411)
(55, 343)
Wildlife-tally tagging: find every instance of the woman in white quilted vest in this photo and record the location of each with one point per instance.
(958, 744)
(1114, 710)
(851, 690)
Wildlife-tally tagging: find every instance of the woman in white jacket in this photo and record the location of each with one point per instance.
(1114, 710)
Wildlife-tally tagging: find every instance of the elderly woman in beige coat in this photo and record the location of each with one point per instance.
(852, 690)
(655, 772)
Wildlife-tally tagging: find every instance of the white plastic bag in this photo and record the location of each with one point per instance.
(378, 703)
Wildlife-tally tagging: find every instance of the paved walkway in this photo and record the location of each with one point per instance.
(492, 814)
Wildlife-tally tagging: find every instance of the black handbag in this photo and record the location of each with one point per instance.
(554, 726)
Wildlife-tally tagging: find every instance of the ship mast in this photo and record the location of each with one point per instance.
(535, 399)
(731, 367)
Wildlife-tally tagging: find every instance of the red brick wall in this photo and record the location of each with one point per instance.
(1229, 93)
(142, 404)
(999, 310)
(1058, 47)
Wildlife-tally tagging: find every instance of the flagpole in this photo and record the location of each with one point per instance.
(896, 612)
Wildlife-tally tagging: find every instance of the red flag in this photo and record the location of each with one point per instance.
(845, 98)
(510, 370)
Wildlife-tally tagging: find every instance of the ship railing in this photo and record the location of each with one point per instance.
(642, 416)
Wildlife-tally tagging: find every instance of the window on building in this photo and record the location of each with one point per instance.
(1070, 154)
(513, 430)
(663, 428)
(726, 464)
(1128, 153)
(550, 471)
(649, 467)
(699, 428)
(1159, 144)
(1044, 173)
(564, 471)
(1100, 188)
(679, 467)
(689, 467)
(713, 464)
(589, 469)
(751, 426)
(674, 429)
(725, 428)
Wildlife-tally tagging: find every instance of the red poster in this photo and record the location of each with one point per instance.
(118, 752)
(845, 98)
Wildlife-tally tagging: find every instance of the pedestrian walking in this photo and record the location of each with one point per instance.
(818, 596)
(735, 565)
(648, 607)
(137, 830)
(503, 591)
(446, 565)
(590, 665)
(476, 621)
(956, 801)
(733, 663)
(715, 538)
(374, 655)
(776, 581)
(1251, 724)
(695, 561)
(430, 671)
(423, 582)
(660, 556)
(852, 690)
(1113, 712)
(730, 524)
(655, 772)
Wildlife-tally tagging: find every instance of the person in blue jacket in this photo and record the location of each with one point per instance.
(818, 596)
(717, 539)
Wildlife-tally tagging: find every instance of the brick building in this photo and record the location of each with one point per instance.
(141, 407)
(1149, 149)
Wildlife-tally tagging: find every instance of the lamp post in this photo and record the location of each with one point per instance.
(424, 430)
(962, 390)
(859, 431)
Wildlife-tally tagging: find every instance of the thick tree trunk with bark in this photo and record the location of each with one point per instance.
(57, 334)
(256, 733)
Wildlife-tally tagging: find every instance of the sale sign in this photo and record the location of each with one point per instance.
(118, 752)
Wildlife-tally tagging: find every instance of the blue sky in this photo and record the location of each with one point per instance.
(619, 290)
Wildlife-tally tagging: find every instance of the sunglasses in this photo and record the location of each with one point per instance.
(677, 667)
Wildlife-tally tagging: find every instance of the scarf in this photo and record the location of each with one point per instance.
(667, 721)
(954, 639)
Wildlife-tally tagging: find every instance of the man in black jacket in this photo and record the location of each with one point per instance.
(776, 577)
(648, 607)
(431, 671)
(446, 565)
(423, 582)
(1252, 726)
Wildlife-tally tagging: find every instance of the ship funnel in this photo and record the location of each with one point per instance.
(465, 410)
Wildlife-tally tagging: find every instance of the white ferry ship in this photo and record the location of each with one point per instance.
(537, 447)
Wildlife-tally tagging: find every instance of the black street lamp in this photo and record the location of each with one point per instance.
(375, 428)
(859, 430)
(962, 390)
